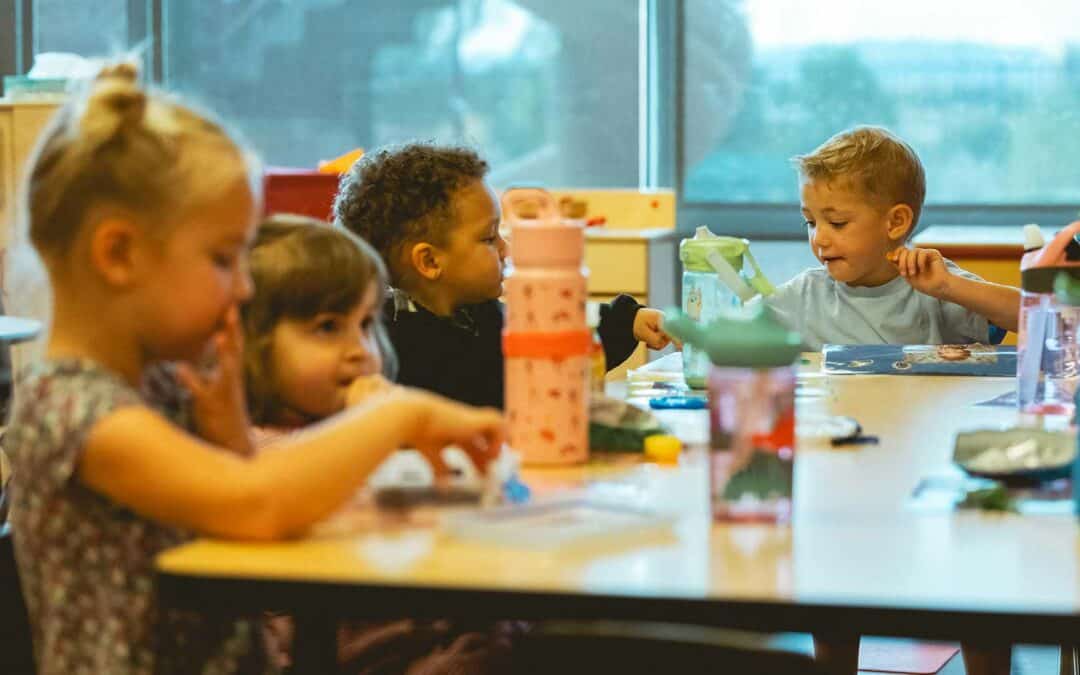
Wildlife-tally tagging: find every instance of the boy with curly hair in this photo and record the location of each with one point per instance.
(431, 215)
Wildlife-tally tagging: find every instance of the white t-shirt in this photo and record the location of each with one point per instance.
(826, 311)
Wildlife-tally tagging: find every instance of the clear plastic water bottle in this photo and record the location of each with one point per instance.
(752, 412)
(719, 273)
(1047, 348)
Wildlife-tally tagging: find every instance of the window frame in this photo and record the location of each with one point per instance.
(16, 37)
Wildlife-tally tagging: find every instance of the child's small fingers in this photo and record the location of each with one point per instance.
(234, 330)
(232, 349)
(228, 368)
(479, 451)
(220, 358)
(923, 262)
(188, 378)
(438, 464)
(900, 261)
(472, 448)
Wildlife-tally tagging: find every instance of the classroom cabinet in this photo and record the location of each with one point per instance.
(20, 124)
(642, 263)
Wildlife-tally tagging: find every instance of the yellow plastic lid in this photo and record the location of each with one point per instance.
(341, 164)
(663, 449)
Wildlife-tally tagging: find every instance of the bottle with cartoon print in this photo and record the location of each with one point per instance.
(719, 273)
(751, 385)
(547, 343)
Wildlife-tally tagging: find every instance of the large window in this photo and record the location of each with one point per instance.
(551, 91)
(546, 89)
(988, 94)
(96, 28)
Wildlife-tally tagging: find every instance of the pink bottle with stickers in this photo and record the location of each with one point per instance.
(547, 341)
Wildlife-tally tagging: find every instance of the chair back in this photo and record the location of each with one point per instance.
(16, 649)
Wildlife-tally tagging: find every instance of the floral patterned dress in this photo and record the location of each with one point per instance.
(86, 562)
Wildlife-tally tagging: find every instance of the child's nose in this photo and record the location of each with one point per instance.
(361, 349)
(364, 357)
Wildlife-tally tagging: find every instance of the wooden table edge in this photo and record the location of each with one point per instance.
(243, 595)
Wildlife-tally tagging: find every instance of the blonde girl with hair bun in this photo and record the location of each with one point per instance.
(130, 435)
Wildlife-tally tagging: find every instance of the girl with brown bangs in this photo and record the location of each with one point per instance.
(315, 345)
(314, 341)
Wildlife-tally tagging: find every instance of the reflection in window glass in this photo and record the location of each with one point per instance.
(545, 89)
(89, 28)
(989, 99)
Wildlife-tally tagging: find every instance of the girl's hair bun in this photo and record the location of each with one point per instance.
(115, 102)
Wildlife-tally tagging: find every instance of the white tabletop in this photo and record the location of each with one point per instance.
(858, 554)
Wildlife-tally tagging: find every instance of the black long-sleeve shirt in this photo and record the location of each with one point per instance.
(461, 356)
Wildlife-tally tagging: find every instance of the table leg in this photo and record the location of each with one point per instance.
(1069, 665)
(314, 645)
(986, 660)
(837, 655)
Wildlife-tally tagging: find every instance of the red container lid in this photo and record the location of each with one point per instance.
(306, 192)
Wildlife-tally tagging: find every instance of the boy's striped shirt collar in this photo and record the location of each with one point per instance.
(402, 302)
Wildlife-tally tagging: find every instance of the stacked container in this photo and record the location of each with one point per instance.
(547, 341)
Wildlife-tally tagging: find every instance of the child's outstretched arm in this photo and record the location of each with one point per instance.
(623, 324)
(137, 458)
(649, 328)
(925, 270)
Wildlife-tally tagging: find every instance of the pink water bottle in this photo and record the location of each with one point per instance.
(547, 341)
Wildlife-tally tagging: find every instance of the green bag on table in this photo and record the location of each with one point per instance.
(617, 426)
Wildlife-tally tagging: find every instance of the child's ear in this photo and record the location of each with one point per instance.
(426, 261)
(113, 253)
(899, 221)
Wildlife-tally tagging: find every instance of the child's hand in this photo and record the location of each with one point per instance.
(363, 388)
(278, 631)
(441, 422)
(218, 402)
(648, 328)
(924, 269)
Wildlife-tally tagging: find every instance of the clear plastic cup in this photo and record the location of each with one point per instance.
(752, 447)
(1047, 355)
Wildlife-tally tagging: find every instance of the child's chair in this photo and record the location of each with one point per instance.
(16, 652)
(587, 648)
